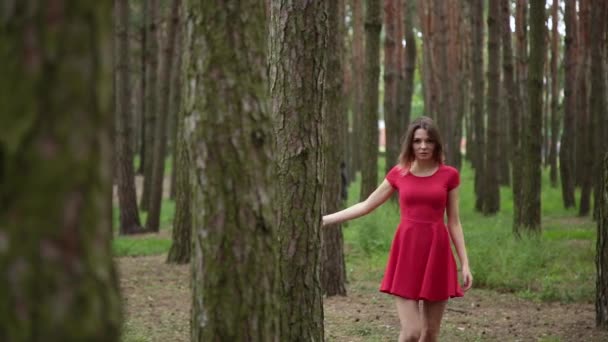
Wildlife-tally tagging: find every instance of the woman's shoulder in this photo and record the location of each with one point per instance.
(449, 169)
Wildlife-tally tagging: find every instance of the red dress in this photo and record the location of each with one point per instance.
(421, 265)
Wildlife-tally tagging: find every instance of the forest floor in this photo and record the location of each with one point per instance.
(157, 300)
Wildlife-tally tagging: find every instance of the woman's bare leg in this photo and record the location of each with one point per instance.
(409, 316)
(432, 313)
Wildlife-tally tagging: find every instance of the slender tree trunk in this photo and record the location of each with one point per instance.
(175, 105)
(127, 199)
(531, 146)
(521, 67)
(391, 77)
(232, 145)
(58, 279)
(409, 63)
(585, 142)
(554, 95)
(601, 255)
(152, 52)
(160, 141)
(334, 116)
(358, 61)
(566, 153)
(297, 88)
(491, 201)
(144, 86)
(427, 26)
(446, 94)
(369, 136)
(514, 105)
(478, 144)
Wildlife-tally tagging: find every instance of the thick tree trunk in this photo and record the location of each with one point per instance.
(566, 153)
(358, 60)
(297, 88)
(514, 105)
(58, 279)
(127, 198)
(160, 141)
(391, 77)
(334, 116)
(491, 201)
(531, 146)
(232, 146)
(152, 53)
(369, 122)
(409, 63)
(478, 144)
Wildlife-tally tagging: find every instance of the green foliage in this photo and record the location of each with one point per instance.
(138, 246)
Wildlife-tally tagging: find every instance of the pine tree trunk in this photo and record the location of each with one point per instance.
(175, 105)
(231, 138)
(445, 115)
(478, 144)
(566, 153)
(358, 62)
(584, 134)
(160, 141)
(369, 122)
(491, 201)
(554, 96)
(601, 255)
(58, 280)
(143, 81)
(127, 198)
(521, 43)
(531, 144)
(334, 116)
(514, 105)
(410, 62)
(391, 77)
(152, 53)
(297, 89)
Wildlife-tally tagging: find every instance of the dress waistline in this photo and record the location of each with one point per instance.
(409, 219)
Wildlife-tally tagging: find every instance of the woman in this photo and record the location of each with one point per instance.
(421, 267)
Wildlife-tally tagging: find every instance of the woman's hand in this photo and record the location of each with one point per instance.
(467, 278)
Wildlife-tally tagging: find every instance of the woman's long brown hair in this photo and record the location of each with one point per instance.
(407, 156)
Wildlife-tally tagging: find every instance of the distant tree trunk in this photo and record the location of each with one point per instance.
(521, 67)
(531, 144)
(334, 116)
(514, 105)
(160, 141)
(445, 114)
(566, 152)
(58, 279)
(297, 88)
(456, 66)
(491, 201)
(478, 144)
(129, 214)
(409, 63)
(554, 95)
(598, 110)
(358, 60)
(232, 143)
(369, 134)
(175, 105)
(584, 134)
(601, 254)
(152, 52)
(391, 77)
(430, 88)
(180, 250)
(144, 87)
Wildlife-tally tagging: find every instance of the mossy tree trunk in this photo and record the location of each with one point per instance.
(491, 201)
(369, 122)
(127, 198)
(298, 47)
(235, 263)
(532, 140)
(333, 276)
(58, 279)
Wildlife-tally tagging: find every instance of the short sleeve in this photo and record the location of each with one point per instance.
(393, 175)
(453, 179)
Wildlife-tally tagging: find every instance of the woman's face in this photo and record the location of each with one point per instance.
(423, 145)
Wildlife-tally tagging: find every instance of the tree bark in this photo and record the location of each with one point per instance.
(601, 255)
(152, 53)
(566, 153)
(358, 61)
(175, 105)
(521, 43)
(297, 83)
(478, 144)
(584, 145)
(391, 77)
(554, 96)
(231, 140)
(333, 276)
(491, 201)
(127, 198)
(409, 63)
(143, 81)
(58, 279)
(369, 122)
(531, 144)
(160, 141)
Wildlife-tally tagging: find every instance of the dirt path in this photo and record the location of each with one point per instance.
(157, 299)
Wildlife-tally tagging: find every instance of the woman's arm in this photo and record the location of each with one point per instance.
(379, 196)
(458, 237)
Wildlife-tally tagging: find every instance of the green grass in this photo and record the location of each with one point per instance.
(557, 266)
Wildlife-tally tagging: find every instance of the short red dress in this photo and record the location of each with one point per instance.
(421, 265)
